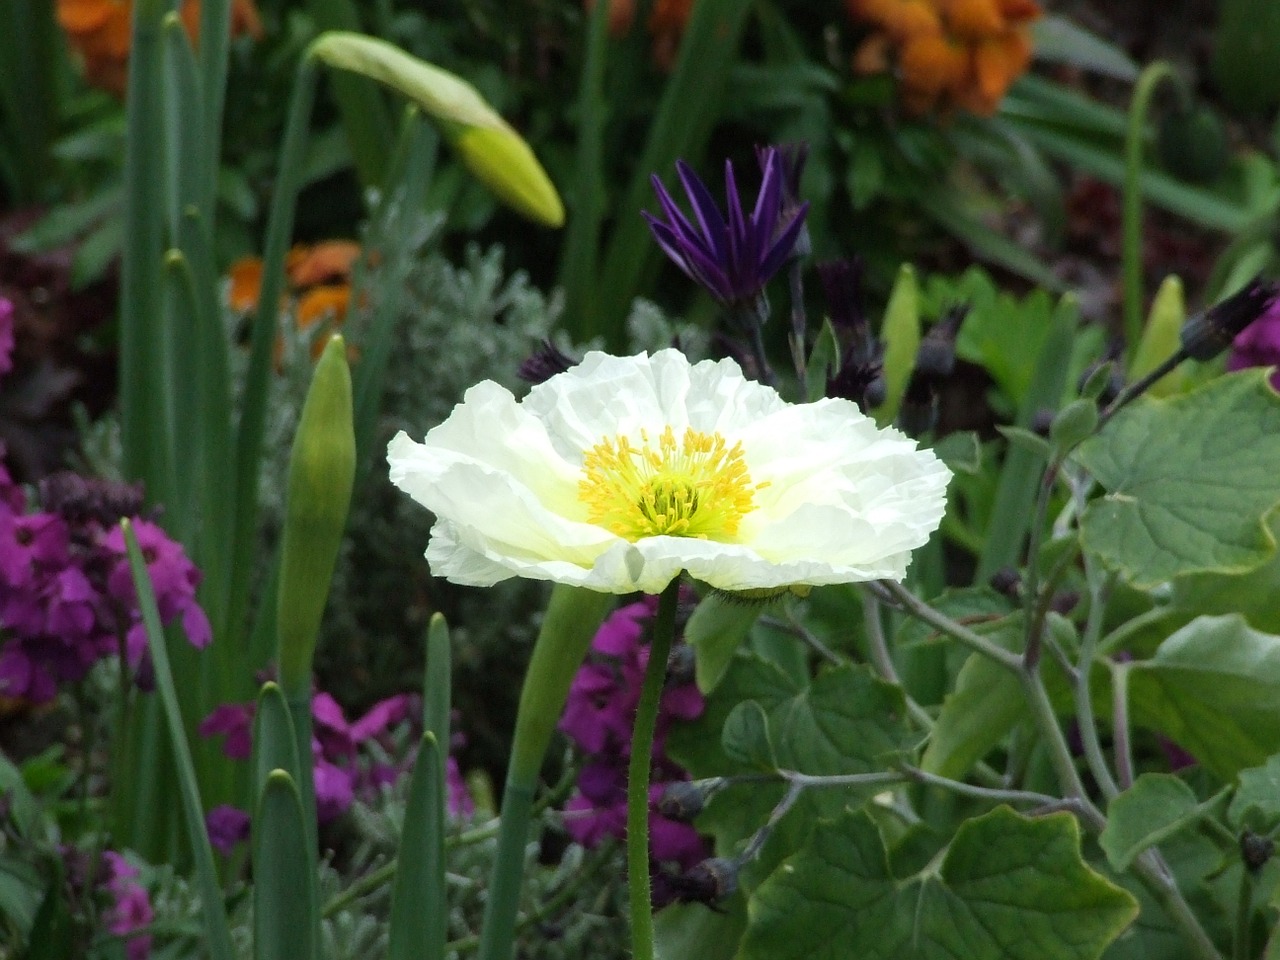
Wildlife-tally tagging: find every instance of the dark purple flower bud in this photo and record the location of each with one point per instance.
(1207, 334)
(80, 499)
(842, 289)
(544, 363)
(935, 362)
(1007, 581)
(227, 827)
(1256, 850)
(708, 882)
(732, 258)
(681, 665)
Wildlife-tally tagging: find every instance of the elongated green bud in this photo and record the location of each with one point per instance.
(1160, 338)
(321, 472)
(497, 155)
(900, 333)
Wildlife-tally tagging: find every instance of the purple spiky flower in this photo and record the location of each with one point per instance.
(732, 258)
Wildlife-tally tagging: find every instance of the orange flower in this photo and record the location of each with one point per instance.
(932, 65)
(319, 281)
(951, 54)
(622, 14)
(100, 32)
(326, 302)
(246, 283)
(323, 263)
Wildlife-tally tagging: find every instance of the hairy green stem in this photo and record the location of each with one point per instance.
(941, 622)
(572, 616)
(1121, 743)
(882, 660)
(1099, 591)
(664, 629)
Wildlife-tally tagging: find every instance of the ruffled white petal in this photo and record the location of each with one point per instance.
(840, 501)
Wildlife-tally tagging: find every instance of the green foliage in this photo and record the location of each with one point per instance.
(1007, 887)
(1212, 687)
(1155, 807)
(1189, 481)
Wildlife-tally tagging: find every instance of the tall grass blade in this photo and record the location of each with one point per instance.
(283, 913)
(419, 922)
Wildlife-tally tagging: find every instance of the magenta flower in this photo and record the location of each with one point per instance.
(130, 907)
(227, 826)
(732, 258)
(6, 335)
(598, 717)
(341, 770)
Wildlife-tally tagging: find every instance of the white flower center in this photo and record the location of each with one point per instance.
(696, 487)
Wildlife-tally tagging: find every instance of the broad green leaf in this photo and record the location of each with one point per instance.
(979, 713)
(715, 631)
(1252, 594)
(1189, 481)
(683, 931)
(1214, 688)
(845, 721)
(1256, 804)
(1008, 888)
(746, 737)
(1156, 806)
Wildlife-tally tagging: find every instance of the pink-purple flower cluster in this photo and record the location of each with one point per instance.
(130, 906)
(343, 769)
(111, 882)
(598, 717)
(66, 593)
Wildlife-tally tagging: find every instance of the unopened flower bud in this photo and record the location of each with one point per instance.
(708, 882)
(1207, 334)
(1007, 581)
(681, 665)
(544, 363)
(1256, 850)
(681, 801)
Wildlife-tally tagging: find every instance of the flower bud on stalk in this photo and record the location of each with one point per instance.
(1211, 332)
(321, 473)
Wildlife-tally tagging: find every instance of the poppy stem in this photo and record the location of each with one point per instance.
(638, 774)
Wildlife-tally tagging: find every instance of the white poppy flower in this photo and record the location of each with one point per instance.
(621, 472)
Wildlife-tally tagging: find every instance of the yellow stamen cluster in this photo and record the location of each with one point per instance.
(695, 487)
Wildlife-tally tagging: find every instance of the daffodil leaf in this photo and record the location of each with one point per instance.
(1155, 807)
(1007, 888)
(1213, 687)
(1256, 804)
(1189, 482)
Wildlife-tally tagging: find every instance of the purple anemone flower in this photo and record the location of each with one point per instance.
(734, 258)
